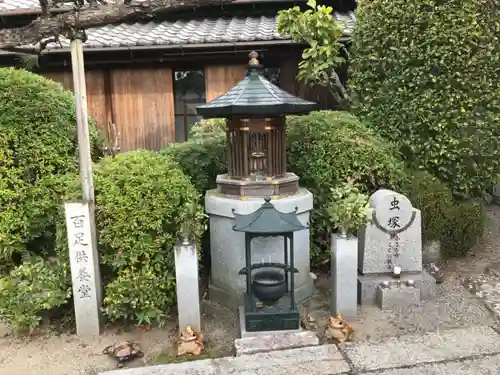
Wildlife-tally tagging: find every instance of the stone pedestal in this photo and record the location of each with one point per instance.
(227, 247)
(266, 341)
(397, 296)
(368, 284)
(431, 252)
(344, 276)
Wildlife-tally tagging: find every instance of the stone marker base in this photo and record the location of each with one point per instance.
(368, 284)
(397, 297)
(431, 252)
(344, 252)
(266, 341)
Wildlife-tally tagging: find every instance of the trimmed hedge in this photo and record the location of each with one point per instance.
(432, 198)
(203, 156)
(142, 200)
(38, 145)
(425, 75)
(466, 222)
(37, 140)
(457, 224)
(327, 148)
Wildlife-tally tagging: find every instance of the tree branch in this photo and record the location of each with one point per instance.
(52, 25)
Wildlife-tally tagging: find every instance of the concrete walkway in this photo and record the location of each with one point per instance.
(467, 351)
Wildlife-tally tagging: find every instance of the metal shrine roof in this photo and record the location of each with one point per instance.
(267, 220)
(255, 96)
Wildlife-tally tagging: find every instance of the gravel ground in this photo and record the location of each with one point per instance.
(65, 354)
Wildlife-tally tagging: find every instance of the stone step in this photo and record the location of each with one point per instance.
(276, 341)
(410, 350)
(317, 360)
(385, 356)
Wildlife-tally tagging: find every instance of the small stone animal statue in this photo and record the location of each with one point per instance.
(436, 272)
(123, 352)
(338, 329)
(190, 342)
(308, 322)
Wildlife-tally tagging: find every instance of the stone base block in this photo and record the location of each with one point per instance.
(397, 297)
(227, 247)
(266, 341)
(431, 252)
(368, 284)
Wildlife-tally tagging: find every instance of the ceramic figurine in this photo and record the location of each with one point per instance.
(338, 329)
(190, 342)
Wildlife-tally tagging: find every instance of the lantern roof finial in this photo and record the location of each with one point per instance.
(253, 59)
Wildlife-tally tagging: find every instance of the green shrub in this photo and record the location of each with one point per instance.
(433, 199)
(141, 200)
(29, 289)
(466, 222)
(425, 74)
(202, 161)
(142, 294)
(458, 225)
(204, 155)
(208, 129)
(327, 148)
(37, 140)
(347, 209)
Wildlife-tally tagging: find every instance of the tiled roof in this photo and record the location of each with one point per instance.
(10, 5)
(231, 29)
(190, 32)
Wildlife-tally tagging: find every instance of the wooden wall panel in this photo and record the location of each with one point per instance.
(96, 98)
(65, 78)
(219, 79)
(288, 76)
(143, 105)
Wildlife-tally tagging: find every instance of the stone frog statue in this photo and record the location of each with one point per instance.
(338, 329)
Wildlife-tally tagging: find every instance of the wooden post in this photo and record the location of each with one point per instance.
(80, 92)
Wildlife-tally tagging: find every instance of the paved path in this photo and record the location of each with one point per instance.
(468, 351)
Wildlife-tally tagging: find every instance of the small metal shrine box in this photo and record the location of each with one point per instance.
(269, 301)
(255, 112)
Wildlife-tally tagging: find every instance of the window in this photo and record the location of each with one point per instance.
(189, 92)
